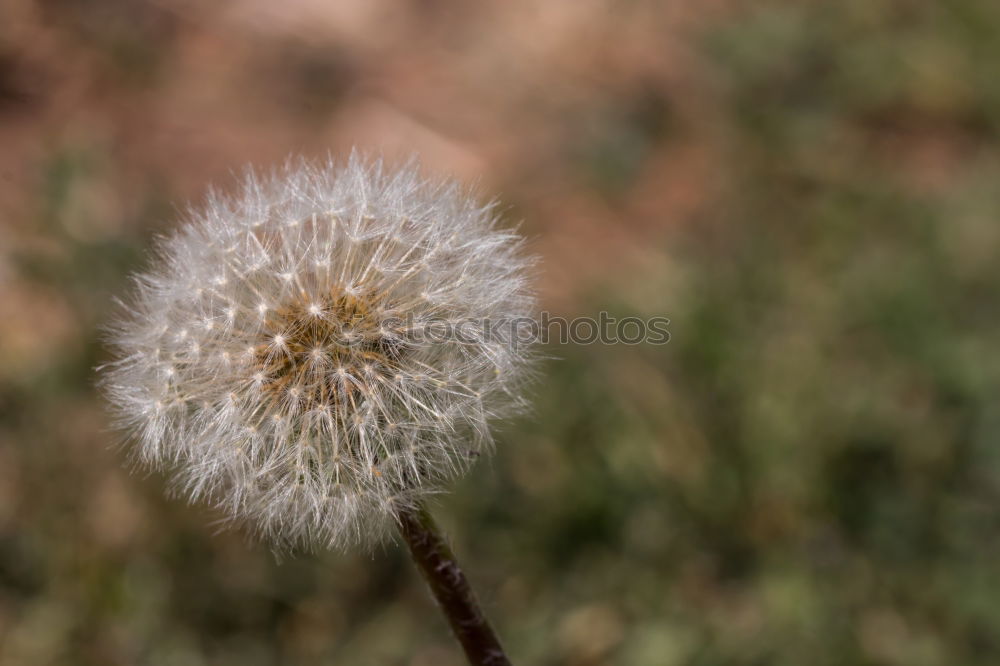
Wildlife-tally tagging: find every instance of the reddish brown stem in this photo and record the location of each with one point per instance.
(450, 588)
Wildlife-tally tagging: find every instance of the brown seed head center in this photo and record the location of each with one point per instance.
(327, 352)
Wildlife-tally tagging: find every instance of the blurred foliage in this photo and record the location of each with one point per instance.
(809, 473)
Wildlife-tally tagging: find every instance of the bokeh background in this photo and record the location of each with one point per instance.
(808, 473)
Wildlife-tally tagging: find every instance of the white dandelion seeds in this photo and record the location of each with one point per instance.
(277, 360)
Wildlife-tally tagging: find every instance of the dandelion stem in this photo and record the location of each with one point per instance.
(450, 587)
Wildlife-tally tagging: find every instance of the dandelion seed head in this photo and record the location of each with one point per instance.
(315, 406)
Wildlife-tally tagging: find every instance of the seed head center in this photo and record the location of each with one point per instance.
(326, 352)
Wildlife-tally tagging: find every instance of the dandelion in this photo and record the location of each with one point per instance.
(293, 355)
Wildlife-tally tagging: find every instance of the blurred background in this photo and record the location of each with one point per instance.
(808, 473)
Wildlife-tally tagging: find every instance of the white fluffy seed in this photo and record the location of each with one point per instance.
(338, 409)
